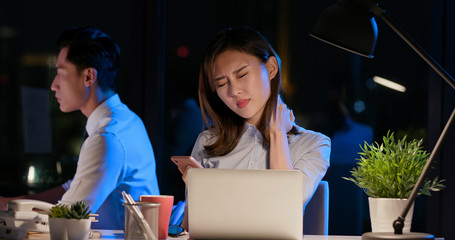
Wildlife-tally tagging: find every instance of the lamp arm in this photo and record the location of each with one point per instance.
(419, 50)
(399, 222)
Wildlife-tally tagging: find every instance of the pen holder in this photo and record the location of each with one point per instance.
(166, 202)
(150, 211)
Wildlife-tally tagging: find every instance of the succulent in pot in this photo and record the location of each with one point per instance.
(79, 210)
(69, 222)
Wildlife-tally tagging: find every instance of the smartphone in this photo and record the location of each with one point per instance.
(184, 161)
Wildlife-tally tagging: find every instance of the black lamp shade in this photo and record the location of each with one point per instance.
(349, 26)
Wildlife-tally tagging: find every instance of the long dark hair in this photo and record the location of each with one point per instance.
(226, 125)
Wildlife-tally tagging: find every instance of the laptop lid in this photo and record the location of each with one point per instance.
(246, 204)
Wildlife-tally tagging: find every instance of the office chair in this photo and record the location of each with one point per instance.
(316, 214)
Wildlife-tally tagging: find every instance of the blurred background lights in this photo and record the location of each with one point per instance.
(51, 61)
(31, 174)
(58, 166)
(183, 51)
(389, 84)
(359, 106)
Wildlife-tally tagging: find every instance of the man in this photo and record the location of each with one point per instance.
(117, 154)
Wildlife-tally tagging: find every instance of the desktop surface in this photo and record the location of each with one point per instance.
(118, 234)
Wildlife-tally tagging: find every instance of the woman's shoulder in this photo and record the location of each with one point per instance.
(205, 137)
(206, 133)
(308, 135)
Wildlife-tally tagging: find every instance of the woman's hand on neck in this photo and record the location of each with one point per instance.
(281, 122)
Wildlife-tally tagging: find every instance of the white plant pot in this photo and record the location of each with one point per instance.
(69, 229)
(78, 229)
(57, 228)
(384, 211)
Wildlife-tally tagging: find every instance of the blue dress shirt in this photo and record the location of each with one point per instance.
(117, 156)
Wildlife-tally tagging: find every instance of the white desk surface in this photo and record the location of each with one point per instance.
(118, 234)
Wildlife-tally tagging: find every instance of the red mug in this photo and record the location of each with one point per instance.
(166, 202)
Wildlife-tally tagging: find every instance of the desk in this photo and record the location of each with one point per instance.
(105, 234)
(118, 234)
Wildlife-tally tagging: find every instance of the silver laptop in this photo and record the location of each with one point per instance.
(245, 204)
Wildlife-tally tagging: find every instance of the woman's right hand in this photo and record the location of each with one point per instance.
(184, 173)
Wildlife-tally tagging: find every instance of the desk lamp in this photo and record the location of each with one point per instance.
(350, 25)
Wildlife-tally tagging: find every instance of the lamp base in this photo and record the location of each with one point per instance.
(390, 235)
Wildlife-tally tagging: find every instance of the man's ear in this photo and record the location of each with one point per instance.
(90, 76)
(272, 67)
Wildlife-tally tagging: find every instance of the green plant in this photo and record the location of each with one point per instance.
(58, 211)
(78, 210)
(391, 169)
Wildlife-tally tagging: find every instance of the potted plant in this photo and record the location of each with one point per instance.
(57, 222)
(387, 172)
(72, 223)
(79, 220)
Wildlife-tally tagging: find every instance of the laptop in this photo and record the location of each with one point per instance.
(245, 204)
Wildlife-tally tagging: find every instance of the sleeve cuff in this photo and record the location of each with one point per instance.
(67, 185)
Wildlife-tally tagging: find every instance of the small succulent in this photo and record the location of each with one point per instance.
(58, 211)
(79, 210)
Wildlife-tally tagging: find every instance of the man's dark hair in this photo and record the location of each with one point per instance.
(89, 47)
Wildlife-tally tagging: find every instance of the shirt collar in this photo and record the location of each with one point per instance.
(100, 112)
(252, 130)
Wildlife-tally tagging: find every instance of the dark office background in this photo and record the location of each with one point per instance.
(161, 44)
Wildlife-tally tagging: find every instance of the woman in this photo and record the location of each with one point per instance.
(248, 125)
